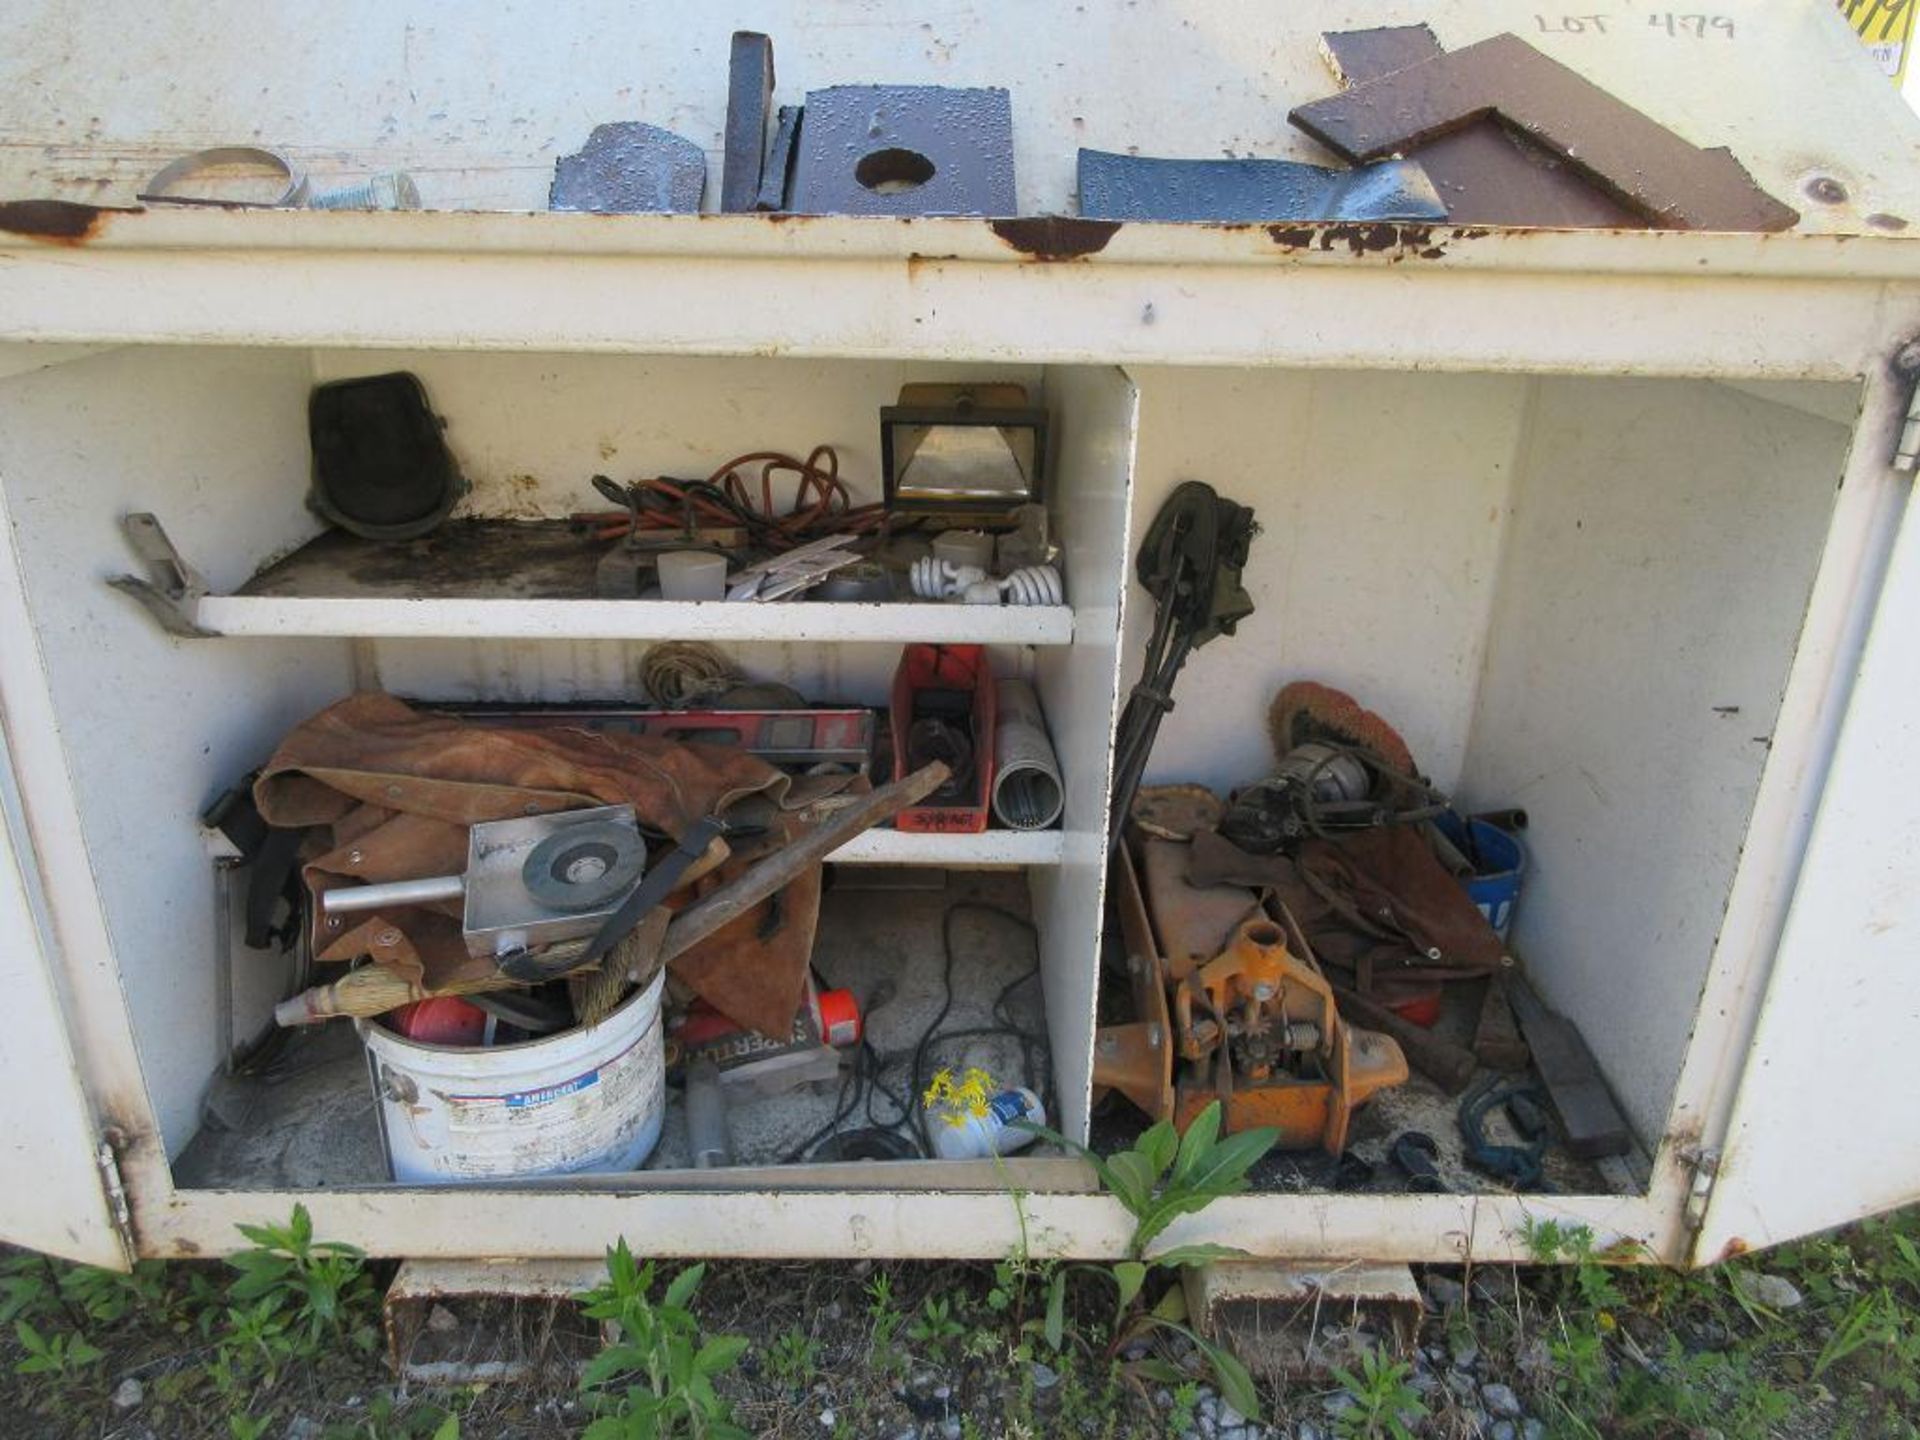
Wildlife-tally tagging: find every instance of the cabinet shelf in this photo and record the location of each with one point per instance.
(531, 580)
(989, 848)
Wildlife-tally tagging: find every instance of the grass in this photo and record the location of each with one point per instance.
(282, 1344)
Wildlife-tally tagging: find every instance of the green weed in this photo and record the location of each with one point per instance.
(1161, 1177)
(936, 1327)
(655, 1380)
(319, 1285)
(884, 1354)
(793, 1358)
(57, 1354)
(1384, 1403)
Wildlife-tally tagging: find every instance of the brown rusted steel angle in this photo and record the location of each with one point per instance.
(1674, 184)
(1485, 174)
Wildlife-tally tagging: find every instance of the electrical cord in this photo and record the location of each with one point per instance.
(1033, 1045)
(821, 503)
(864, 1080)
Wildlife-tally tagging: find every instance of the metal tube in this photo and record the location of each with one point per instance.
(1027, 790)
(708, 1140)
(398, 892)
(223, 957)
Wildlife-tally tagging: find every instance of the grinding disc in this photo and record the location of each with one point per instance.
(588, 866)
(1176, 812)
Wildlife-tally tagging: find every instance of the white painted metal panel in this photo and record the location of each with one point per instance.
(1382, 501)
(1663, 544)
(150, 729)
(431, 95)
(1822, 1129)
(1097, 429)
(395, 617)
(988, 849)
(571, 1221)
(54, 1199)
(1176, 296)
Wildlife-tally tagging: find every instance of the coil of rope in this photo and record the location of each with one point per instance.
(682, 674)
(821, 503)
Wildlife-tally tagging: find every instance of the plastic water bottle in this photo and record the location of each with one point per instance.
(958, 1134)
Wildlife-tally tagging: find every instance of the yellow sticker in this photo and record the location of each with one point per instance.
(1886, 28)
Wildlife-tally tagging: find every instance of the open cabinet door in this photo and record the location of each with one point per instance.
(1823, 1124)
(54, 1197)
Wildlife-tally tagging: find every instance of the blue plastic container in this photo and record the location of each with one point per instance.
(1500, 861)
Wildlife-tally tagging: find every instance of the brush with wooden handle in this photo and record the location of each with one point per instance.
(373, 990)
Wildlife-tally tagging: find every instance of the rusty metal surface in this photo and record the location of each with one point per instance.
(749, 99)
(481, 1322)
(1192, 923)
(1134, 1059)
(1486, 174)
(628, 167)
(1675, 184)
(1122, 1065)
(1496, 1036)
(1175, 812)
(1144, 187)
(1303, 1111)
(1290, 1320)
(905, 150)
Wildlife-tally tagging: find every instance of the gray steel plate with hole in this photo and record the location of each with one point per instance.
(502, 914)
(1141, 187)
(905, 150)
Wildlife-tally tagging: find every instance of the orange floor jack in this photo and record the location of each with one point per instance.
(1230, 1005)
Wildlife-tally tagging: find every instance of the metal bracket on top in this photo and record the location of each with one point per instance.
(172, 591)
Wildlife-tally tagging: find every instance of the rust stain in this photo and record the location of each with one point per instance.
(1363, 239)
(1056, 237)
(55, 222)
(186, 1247)
(915, 260)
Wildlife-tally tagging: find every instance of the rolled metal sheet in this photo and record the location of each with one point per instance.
(1028, 793)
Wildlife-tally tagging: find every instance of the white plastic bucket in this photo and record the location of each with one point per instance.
(591, 1099)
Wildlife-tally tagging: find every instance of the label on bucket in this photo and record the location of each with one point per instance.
(584, 1122)
(529, 1098)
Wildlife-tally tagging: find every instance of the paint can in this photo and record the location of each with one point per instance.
(590, 1099)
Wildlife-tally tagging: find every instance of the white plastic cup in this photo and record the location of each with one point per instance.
(693, 575)
(965, 547)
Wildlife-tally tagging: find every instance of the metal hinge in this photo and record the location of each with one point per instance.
(118, 1210)
(1906, 450)
(171, 589)
(1705, 1165)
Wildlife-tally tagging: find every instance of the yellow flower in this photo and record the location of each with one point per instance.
(968, 1096)
(940, 1089)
